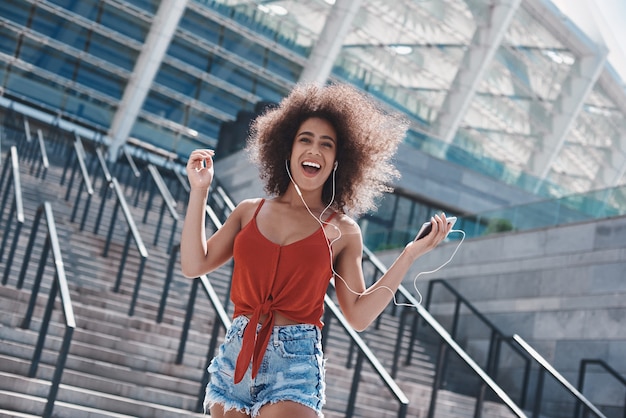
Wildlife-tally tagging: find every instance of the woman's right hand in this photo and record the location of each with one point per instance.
(200, 169)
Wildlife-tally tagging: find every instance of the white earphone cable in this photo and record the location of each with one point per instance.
(322, 223)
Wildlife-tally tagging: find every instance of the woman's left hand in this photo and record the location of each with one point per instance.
(439, 231)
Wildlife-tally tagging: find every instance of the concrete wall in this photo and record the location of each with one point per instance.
(453, 185)
(562, 289)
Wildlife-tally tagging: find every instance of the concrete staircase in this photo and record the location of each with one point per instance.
(122, 366)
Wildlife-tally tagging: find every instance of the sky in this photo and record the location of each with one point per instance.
(603, 20)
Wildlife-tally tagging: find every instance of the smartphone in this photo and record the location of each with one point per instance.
(427, 227)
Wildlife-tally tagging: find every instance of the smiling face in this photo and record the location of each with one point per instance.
(313, 153)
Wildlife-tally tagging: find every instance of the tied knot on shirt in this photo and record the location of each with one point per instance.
(254, 344)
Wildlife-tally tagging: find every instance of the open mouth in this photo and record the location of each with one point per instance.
(311, 167)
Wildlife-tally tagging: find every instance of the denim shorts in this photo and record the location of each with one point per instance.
(292, 370)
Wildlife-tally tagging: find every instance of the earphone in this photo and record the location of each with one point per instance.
(330, 244)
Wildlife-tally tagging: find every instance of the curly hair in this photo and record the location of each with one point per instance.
(367, 137)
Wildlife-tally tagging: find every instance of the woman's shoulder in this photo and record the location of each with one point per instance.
(248, 204)
(244, 211)
(347, 224)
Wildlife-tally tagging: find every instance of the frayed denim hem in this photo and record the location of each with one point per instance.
(229, 406)
(257, 408)
(213, 398)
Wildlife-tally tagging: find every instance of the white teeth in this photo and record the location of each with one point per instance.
(312, 164)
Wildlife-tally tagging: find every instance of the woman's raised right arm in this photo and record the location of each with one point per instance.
(199, 255)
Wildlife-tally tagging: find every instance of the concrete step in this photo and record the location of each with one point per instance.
(19, 343)
(20, 405)
(82, 400)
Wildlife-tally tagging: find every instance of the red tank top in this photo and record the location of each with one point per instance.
(290, 279)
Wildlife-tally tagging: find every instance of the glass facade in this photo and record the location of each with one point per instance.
(73, 59)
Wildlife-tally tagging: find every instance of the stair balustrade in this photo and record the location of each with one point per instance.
(518, 346)
(59, 286)
(446, 343)
(545, 368)
(84, 186)
(133, 233)
(158, 184)
(11, 171)
(581, 380)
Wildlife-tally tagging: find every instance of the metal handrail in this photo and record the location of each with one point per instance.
(85, 184)
(17, 208)
(364, 351)
(59, 285)
(45, 163)
(581, 378)
(447, 342)
(107, 179)
(545, 366)
(223, 322)
(497, 336)
(131, 162)
(133, 233)
(168, 203)
(220, 311)
(523, 349)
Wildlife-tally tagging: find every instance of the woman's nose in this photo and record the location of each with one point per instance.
(314, 149)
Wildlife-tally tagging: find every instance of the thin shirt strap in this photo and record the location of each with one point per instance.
(258, 208)
(332, 215)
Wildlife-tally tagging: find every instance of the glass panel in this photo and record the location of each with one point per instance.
(84, 8)
(8, 41)
(205, 125)
(157, 135)
(46, 58)
(283, 67)
(244, 48)
(124, 23)
(189, 54)
(148, 5)
(232, 74)
(200, 26)
(98, 79)
(270, 92)
(54, 97)
(165, 138)
(396, 221)
(17, 12)
(548, 213)
(177, 80)
(46, 23)
(163, 106)
(89, 110)
(224, 102)
(115, 53)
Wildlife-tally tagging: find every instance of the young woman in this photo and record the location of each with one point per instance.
(324, 154)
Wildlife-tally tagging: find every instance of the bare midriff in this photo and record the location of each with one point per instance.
(278, 319)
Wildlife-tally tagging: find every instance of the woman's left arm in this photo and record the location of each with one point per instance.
(361, 306)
